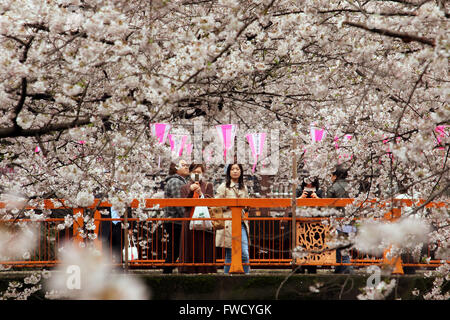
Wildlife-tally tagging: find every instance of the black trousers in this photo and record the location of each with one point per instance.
(173, 230)
(111, 234)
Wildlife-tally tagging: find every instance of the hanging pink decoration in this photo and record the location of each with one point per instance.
(441, 134)
(317, 134)
(161, 131)
(256, 141)
(177, 143)
(227, 133)
(37, 149)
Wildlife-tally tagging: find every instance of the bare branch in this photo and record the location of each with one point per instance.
(405, 37)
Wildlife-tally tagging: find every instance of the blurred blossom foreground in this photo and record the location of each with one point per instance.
(84, 274)
(16, 242)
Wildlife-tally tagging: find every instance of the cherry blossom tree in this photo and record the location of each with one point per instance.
(81, 80)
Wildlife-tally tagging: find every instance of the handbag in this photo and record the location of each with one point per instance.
(200, 212)
(132, 251)
(217, 212)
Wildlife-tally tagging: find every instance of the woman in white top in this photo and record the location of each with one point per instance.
(233, 187)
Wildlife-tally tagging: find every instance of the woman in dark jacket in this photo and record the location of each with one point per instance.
(197, 246)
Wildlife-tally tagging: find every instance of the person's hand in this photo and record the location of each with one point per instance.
(196, 188)
(314, 195)
(304, 195)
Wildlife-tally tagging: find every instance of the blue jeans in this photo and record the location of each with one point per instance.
(245, 255)
(342, 259)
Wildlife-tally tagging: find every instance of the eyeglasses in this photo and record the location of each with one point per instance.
(184, 165)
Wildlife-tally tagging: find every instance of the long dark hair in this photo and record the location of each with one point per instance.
(241, 177)
(314, 182)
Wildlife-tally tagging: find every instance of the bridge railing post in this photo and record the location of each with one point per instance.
(236, 241)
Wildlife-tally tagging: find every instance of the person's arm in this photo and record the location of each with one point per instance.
(304, 194)
(246, 195)
(209, 192)
(175, 190)
(188, 193)
(331, 193)
(195, 186)
(315, 195)
(184, 192)
(245, 192)
(221, 193)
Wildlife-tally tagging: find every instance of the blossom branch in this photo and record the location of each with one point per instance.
(14, 132)
(405, 37)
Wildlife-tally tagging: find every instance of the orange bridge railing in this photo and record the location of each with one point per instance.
(271, 237)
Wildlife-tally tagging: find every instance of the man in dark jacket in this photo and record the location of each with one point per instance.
(339, 190)
(176, 179)
(339, 187)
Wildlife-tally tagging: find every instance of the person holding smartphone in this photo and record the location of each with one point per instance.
(197, 246)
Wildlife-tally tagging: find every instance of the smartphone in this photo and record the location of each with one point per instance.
(197, 177)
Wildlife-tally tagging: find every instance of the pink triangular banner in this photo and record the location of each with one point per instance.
(256, 141)
(161, 131)
(177, 143)
(227, 133)
(317, 134)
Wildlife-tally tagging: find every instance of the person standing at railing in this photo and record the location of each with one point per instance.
(310, 188)
(111, 232)
(174, 182)
(338, 189)
(197, 246)
(233, 187)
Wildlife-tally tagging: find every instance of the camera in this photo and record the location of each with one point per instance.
(309, 192)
